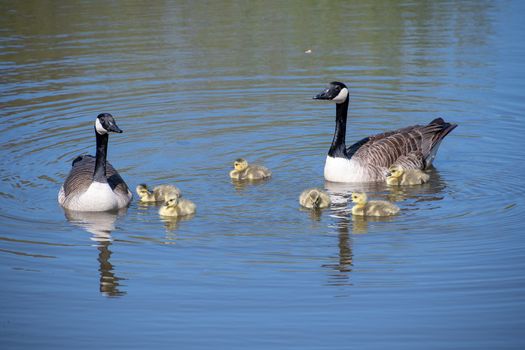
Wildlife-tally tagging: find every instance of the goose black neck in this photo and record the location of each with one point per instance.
(338, 148)
(100, 158)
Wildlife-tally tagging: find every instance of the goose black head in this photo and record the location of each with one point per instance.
(336, 92)
(105, 124)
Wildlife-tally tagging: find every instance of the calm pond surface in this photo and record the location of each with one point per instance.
(195, 85)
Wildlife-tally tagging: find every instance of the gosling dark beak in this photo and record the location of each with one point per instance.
(114, 128)
(388, 173)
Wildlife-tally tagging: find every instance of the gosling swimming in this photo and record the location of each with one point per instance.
(314, 198)
(364, 207)
(177, 206)
(243, 171)
(398, 176)
(160, 193)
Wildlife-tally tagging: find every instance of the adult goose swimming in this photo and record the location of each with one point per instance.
(93, 184)
(368, 160)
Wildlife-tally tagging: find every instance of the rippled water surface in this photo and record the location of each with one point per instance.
(195, 85)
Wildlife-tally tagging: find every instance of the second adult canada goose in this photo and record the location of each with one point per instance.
(314, 198)
(159, 194)
(367, 160)
(93, 184)
(398, 176)
(244, 171)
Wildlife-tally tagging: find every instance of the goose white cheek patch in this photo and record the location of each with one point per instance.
(100, 129)
(341, 97)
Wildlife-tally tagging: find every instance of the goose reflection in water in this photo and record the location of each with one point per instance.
(100, 225)
(342, 266)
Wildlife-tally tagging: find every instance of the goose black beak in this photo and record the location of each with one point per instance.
(388, 173)
(114, 128)
(325, 95)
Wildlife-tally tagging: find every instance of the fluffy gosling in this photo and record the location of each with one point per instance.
(160, 193)
(397, 176)
(243, 171)
(364, 207)
(314, 198)
(176, 206)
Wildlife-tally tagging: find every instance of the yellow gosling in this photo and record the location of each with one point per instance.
(397, 176)
(314, 198)
(363, 207)
(159, 194)
(243, 171)
(176, 206)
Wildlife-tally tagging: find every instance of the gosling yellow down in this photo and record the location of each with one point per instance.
(160, 193)
(398, 176)
(314, 198)
(177, 206)
(363, 207)
(243, 171)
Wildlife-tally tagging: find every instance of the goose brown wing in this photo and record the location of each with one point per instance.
(81, 176)
(413, 146)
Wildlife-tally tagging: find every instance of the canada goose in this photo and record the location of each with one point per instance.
(367, 160)
(243, 171)
(364, 207)
(159, 194)
(93, 184)
(176, 206)
(314, 198)
(398, 176)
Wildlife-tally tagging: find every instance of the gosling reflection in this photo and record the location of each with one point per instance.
(172, 223)
(241, 185)
(314, 214)
(360, 223)
(100, 225)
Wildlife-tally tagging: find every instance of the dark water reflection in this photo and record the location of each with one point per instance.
(195, 85)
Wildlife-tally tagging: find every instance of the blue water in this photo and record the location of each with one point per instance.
(195, 85)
